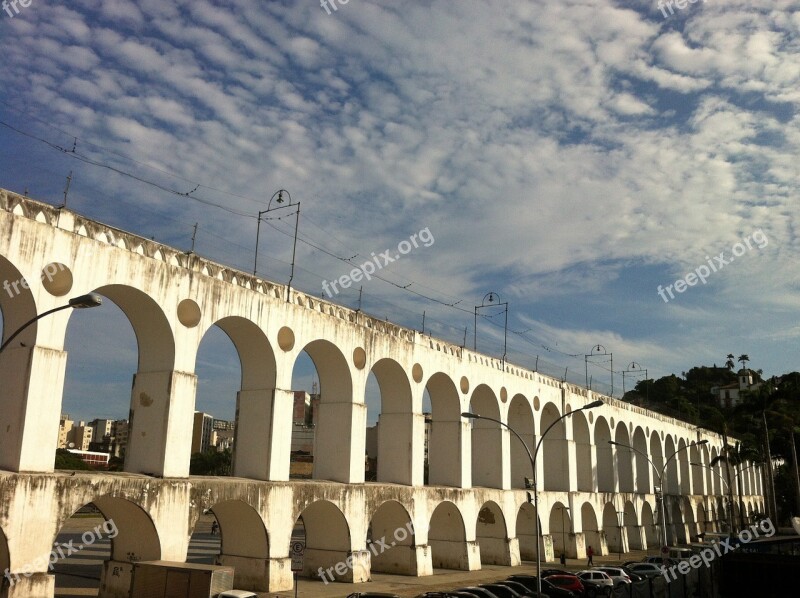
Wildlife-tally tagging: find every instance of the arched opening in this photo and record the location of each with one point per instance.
(657, 457)
(446, 465)
(716, 474)
(110, 535)
(526, 532)
(591, 532)
(643, 467)
(487, 440)
(649, 525)
(236, 373)
(683, 460)
(391, 527)
(102, 360)
(624, 458)
(338, 419)
(612, 526)
(492, 535)
(555, 451)
(561, 530)
(520, 418)
(696, 471)
(396, 424)
(605, 455)
(327, 539)
(583, 451)
(678, 524)
(672, 467)
(632, 529)
(241, 541)
(5, 557)
(447, 538)
(702, 521)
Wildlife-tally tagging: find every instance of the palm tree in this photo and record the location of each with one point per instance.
(743, 359)
(736, 456)
(729, 364)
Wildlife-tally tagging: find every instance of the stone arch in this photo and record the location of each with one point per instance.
(391, 523)
(561, 532)
(716, 474)
(591, 531)
(492, 535)
(624, 458)
(555, 449)
(520, 418)
(244, 543)
(657, 457)
(583, 451)
(611, 528)
(447, 538)
(17, 306)
(333, 436)
(649, 527)
(672, 486)
(446, 465)
(696, 470)
(487, 439)
(678, 522)
(154, 411)
(605, 455)
(708, 481)
(683, 462)
(328, 542)
(632, 529)
(702, 520)
(526, 532)
(642, 465)
(395, 423)
(251, 452)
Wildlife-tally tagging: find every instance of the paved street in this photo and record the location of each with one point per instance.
(79, 574)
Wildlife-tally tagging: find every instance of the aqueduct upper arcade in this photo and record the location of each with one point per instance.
(473, 509)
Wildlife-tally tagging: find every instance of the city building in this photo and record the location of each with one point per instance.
(80, 437)
(100, 429)
(65, 425)
(95, 459)
(201, 433)
(730, 394)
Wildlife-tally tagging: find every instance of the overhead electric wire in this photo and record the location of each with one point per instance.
(315, 245)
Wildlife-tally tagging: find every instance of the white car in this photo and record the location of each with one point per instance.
(596, 582)
(617, 575)
(237, 594)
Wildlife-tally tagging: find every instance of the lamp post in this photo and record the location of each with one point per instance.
(81, 302)
(563, 537)
(494, 299)
(661, 475)
(620, 515)
(532, 458)
(280, 200)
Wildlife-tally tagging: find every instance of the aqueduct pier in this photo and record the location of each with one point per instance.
(473, 509)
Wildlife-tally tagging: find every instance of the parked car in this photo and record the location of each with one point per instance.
(596, 583)
(237, 594)
(503, 591)
(372, 595)
(549, 572)
(632, 574)
(646, 569)
(617, 575)
(480, 592)
(548, 587)
(452, 594)
(571, 583)
(657, 560)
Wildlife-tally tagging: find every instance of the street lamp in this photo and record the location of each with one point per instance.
(661, 475)
(563, 537)
(620, 515)
(279, 195)
(81, 302)
(532, 458)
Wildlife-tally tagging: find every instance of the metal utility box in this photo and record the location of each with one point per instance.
(166, 579)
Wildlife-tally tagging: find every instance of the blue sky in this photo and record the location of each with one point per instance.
(570, 156)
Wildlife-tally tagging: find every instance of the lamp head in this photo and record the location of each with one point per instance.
(593, 404)
(84, 301)
(699, 442)
(469, 415)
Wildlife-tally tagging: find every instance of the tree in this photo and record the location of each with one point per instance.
(743, 359)
(212, 462)
(729, 364)
(67, 460)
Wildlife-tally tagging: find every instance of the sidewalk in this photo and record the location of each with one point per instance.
(442, 579)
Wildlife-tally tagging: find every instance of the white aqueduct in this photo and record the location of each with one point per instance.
(474, 509)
